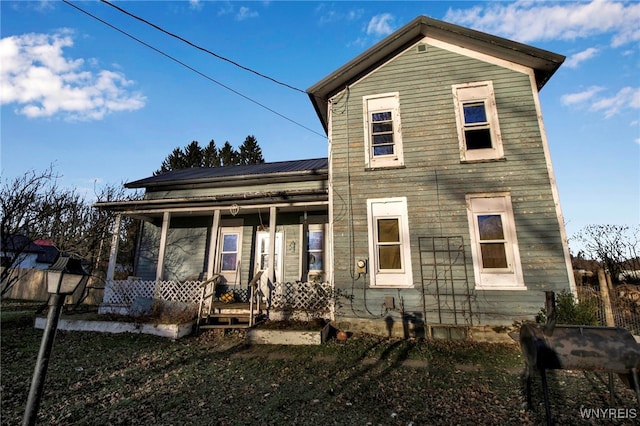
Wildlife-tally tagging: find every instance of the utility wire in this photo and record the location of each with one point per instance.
(201, 48)
(192, 69)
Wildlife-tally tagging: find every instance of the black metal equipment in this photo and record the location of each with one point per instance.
(567, 347)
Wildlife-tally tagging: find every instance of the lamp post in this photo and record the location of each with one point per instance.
(63, 277)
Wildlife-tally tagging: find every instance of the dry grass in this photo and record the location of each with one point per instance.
(102, 379)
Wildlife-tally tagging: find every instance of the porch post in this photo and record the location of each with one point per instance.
(272, 244)
(166, 219)
(115, 243)
(213, 243)
(304, 249)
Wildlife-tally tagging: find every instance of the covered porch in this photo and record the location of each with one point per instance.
(186, 252)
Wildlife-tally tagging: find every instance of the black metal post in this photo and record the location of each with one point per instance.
(37, 383)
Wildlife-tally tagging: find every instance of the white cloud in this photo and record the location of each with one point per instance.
(195, 5)
(245, 13)
(38, 78)
(329, 15)
(627, 97)
(580, 97)
(380, 25)
(528, 21)
(575, 60)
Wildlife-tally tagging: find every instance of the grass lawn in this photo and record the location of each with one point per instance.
(131, 379)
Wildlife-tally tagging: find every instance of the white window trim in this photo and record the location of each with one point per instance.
(319, 228)
(381, 208)
(378, 103)
(231, 276)
(478, 91)
(510, 278)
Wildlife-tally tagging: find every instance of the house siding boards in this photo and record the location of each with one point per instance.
(249, 189)
(435, 182)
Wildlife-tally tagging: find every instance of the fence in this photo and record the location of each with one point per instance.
(621, 310)
(31, 284)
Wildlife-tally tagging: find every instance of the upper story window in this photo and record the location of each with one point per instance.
(382, 129)
(494, 245)
(477, 121)
(389, 245)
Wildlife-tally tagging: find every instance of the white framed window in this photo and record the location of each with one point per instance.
(229, 253)
(477, 121)
(494, 245)
(382, 130)
(315, 249)
(389, 243)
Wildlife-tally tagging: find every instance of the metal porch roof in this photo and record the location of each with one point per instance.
(203, 175)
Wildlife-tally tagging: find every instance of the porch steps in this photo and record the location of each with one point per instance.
(226, 316)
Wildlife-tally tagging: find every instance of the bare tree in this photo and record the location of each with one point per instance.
(34, 207)
(616, 247)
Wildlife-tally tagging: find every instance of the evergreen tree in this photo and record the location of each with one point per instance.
(193, 155)
(250, 151)
(228, 155)
(210, 155)
(174, 161)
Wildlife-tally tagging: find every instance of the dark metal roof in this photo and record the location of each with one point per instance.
(203, 175)
(21, 244)
(544, 63)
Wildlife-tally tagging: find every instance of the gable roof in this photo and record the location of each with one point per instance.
(544, 63)
(282, 170)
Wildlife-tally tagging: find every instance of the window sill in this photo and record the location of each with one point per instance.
(485, 160)
(387, 286)
(373, 169)
(501, 288)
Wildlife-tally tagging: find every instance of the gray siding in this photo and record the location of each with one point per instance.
(435, 183)
(211, 191)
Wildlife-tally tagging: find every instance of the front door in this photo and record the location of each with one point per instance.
(262, 257)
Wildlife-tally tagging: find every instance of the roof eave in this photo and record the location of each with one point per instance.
(317, 174)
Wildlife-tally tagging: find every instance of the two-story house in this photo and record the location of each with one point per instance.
(436, 211)
(443, 202)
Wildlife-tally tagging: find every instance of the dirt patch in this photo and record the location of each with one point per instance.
(415, 363)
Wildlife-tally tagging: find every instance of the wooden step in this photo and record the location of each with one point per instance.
(228, 315)
(223, 326)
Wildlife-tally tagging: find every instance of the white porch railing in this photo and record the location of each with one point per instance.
(305, 297)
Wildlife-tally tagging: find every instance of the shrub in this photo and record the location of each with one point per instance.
(569, 311)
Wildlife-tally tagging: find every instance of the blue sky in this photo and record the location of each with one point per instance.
(105, 109)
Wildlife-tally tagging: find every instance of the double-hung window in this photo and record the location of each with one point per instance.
(389, 248)
(477, 121)
(494, 245)
(382, 129)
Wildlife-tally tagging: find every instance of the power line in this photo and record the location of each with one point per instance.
(201, 48)
(192, 69)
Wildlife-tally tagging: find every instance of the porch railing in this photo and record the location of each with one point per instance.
(304, 297)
